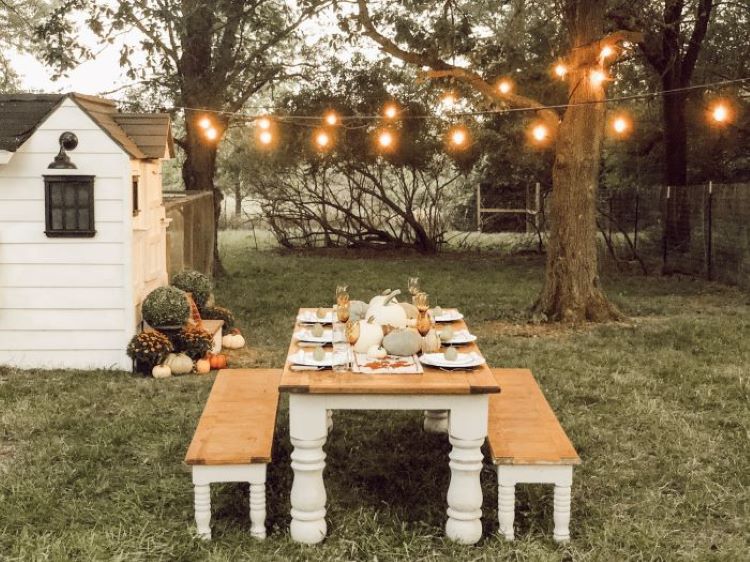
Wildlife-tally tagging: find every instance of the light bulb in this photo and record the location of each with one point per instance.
(458, 137)
(331, 118)
(607, 51)
(204, 123)
(211, 133)
(505, 86)
(264, 123)
(540, 132)
(561, 70)
(385, 139)
(322, 139)
(720, 113)
(390, 111)
(597, 77)
(620, 125)
(265, 137)
(449, 100)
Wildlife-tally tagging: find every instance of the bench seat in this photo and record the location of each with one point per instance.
(528, 445)
(233, 441)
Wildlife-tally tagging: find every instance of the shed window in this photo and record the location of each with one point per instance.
(69, 206)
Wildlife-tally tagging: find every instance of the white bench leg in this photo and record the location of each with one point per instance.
(329, 420)
(562, 513)
(203, 510)
(506, 509)
(258, 510)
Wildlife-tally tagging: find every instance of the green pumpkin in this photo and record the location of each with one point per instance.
(357, 310)
(180, 363)
(403, 342)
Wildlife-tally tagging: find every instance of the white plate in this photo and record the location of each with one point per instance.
(463, 360)
(448, 316)
(307, 336)
(460, 337)
(306, 358)
(310, 317)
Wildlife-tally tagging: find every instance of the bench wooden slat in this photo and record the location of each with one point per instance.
(523, 429)
(239, 419)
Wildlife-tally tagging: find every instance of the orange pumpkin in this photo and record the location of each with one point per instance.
(217, 361)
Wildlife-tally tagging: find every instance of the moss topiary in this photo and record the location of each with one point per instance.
(196, 283)
(166, 306)
(219, 313)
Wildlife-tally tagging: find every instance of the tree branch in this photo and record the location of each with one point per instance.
(696, 40)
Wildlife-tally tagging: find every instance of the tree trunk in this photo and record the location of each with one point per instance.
(572, 290)
(677, 220)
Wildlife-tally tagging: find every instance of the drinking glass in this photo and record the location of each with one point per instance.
(340, 348)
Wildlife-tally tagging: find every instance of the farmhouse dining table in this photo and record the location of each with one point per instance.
(455, 400)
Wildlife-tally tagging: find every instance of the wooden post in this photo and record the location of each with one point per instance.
(538, 205)
(708, 232)
(479, 207)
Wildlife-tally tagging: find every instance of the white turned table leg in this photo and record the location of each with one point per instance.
(258, 510)
(506, 509)
(203, 510)
(436, 421)
(468, 429)
(329, 420)
(308, 431)
(562, 513)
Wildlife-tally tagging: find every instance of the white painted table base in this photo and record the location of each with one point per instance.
(254, 474)
(510, 475)
(308, 430)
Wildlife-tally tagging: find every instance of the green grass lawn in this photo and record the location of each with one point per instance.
(91, 462)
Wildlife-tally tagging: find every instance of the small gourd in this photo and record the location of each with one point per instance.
(437, 311)
(317, 330)
(180, 363)
(431, 342)
(357, 310)
(376, 352)
(233, 340)
(410, 309)
(320, 313)
(217, 360)
(450, 354)
(161, 372)
(202, 366)
(319, 354)
(402, 342)
(447, 333)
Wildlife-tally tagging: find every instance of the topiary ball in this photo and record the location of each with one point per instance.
(196, 283)
(166, 306)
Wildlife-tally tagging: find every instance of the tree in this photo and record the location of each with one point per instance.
(572, 290)
(207, 57)
(17, 22)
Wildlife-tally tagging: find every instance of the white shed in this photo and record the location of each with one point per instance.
(82, 228)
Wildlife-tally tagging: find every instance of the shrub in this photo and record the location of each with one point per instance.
(196, 283)
(193, 342)
(148, 349)
(219, 313)
(166, 306)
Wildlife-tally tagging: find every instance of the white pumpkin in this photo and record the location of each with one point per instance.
(180, 363)
(384, 298)
(387, 312)
(233, 341)
(376, 352)
(431, 342)
(410, 309)
(161, 372)
(370, 334)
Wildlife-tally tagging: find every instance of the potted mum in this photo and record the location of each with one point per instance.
(148, 349)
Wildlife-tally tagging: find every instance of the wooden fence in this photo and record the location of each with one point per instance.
(190, 235)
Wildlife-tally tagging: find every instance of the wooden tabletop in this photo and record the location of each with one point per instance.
(433, 381)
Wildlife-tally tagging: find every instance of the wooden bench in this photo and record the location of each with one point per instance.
(232, 442)
(528, 445)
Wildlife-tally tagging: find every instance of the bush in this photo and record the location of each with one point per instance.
(219, 313)
(148, 349)
(193, 342)
(196, 283)
(166, 306)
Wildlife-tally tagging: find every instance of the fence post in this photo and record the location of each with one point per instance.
(635, 226)
(479, 207)
(664, 230)
(538, 206)
(708, 233)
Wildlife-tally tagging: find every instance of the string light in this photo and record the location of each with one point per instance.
(720, 112)
(449, 99)
(621, 125)
(505, 86)
(265, 137)
(597, 77)
(264, 123)
(204, 123)
(607, 51)
(561, 70)
(539, 133)
(457, 137)
(386, 140)
(390, 111)
(322, 140)
(331, 118)
(211, 133)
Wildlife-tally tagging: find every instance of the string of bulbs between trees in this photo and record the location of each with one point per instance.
(720, 112)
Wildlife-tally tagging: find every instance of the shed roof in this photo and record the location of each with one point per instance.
(142, 136)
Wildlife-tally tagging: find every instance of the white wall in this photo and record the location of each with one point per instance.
(66, 302)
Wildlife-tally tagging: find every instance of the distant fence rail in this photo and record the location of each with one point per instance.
(190, 234)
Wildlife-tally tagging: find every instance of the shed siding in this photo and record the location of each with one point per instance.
(74, 293)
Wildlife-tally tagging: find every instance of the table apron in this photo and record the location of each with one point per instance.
(388, 401)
